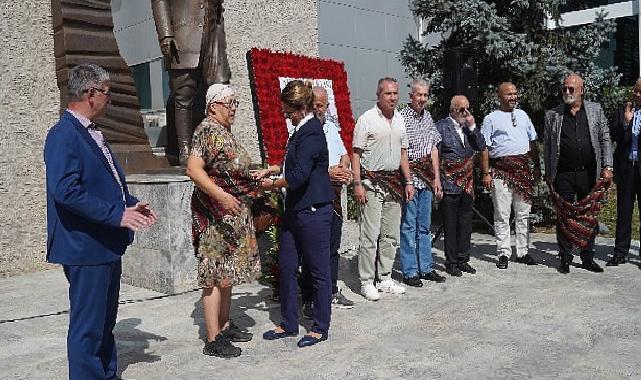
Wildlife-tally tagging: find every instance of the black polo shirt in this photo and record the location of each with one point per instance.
(575, 150)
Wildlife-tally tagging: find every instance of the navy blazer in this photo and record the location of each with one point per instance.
(306, 165)
(451, 147)
(84, 201)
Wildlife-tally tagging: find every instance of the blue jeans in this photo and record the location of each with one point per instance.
(416, 238)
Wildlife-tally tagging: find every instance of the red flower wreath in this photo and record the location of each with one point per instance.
(266, 67)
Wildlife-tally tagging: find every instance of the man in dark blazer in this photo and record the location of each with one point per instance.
(625, 131)
(577, 151)
(90, 221)
(460, 139)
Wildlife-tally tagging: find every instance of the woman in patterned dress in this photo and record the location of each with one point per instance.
(222, 227)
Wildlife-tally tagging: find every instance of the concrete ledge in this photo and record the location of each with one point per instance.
(162, 258)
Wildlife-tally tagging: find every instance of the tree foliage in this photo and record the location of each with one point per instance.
(511, 42)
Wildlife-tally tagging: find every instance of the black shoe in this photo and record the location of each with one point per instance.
(592, 266)
(432, 276)
(503, 261)
(413, 281)
(235, 334)
(616, 260)
(526, 259)
(308, 310)
(467, 268)
(564, 266)
(453, 270)
(221, 347)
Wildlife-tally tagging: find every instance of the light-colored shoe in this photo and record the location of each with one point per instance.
(390, 286)
(369, 291)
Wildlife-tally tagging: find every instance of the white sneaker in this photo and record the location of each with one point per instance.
(368, 290)
(390, 286)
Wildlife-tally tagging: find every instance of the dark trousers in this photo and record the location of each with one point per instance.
(93, 300)
(457, 227)
(574, 186)
(305, 237)
(628, 182)
(305, 281)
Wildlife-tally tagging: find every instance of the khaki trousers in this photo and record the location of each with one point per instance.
(380, 220)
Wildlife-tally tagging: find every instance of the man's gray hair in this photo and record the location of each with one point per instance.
(419, 83)
(84, 77)
(379, 87)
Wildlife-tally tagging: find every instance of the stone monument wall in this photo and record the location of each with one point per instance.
(29, 102)
(278, 25)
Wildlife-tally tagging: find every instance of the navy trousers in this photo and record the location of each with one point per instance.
(93, 300)
(304, 237)
(305, 282)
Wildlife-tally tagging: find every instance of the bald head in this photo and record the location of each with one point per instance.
(508, 96)
(320, 102)
(459, 108)
(573, 90)
(636, 92)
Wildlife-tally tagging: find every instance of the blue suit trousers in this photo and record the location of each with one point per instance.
(305, 236)
(93, 300)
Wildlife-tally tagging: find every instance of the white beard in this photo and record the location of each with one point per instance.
(569, 99)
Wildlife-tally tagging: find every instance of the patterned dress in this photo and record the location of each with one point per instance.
(225, 245)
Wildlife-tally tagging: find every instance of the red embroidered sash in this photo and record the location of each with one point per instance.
(460, 172)
(578, 221)
(518, 173)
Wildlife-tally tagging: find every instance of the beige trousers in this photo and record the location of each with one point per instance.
(379, 222)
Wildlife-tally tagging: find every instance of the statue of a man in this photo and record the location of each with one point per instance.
(192, 41)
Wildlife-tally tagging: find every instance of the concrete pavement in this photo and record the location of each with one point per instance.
(521, 323)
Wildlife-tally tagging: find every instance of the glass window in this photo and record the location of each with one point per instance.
(143, 85)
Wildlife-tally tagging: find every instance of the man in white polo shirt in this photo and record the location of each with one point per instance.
(380, 150)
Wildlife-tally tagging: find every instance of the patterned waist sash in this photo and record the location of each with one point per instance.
(423, 170)
(577, 221)
(517, 172)
(206, 210)
(459, 172)
(388, 180)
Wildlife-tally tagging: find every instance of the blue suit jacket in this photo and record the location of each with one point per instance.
(451, 147)
(306, 164)
(84, 201)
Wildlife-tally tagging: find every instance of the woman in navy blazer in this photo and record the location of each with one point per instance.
(305, 228)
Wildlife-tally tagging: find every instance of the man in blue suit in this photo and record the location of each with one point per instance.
(460, 139)
(90, 222)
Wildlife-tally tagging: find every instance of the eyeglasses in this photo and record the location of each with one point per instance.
(568, 89)
(513, 120)
(232, 105)
(463, 110)
(101, 90)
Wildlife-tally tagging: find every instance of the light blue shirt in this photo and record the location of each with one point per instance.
(335, 144)
(503, 138)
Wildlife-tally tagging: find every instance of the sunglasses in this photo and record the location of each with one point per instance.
(568, 89)
(513, 120)
(463, 110)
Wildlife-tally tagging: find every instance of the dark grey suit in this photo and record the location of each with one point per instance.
(575, 184)
(599, 134)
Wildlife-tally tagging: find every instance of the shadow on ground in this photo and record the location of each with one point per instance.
(133, 343)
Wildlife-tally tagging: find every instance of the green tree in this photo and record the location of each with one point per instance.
(511, 42)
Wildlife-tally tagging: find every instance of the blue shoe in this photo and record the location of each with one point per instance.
(273, 335)
(309, 340)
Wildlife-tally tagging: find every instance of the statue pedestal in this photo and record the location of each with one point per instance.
(162, 257)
